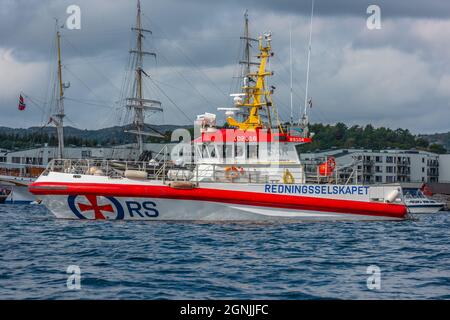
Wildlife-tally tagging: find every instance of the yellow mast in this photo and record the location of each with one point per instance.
(257, 96)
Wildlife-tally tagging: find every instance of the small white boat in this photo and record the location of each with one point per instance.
(4, 193)
(417, 202)
(18, 189)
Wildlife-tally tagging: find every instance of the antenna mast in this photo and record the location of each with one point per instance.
(138, 103)
(305, 114)
(290, 66)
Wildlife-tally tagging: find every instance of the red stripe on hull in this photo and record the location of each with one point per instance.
(225, 196)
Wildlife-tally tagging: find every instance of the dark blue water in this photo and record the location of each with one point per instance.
(156, 260)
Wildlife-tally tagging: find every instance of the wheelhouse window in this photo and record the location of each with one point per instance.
(239, 150)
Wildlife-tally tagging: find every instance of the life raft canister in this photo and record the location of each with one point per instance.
(327, 168)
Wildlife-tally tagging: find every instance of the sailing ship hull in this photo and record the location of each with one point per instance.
(124, 199)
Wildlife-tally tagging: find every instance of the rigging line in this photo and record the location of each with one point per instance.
(90, 103)
(70, 120)
(161, 90)
(172, 86)
(100, 33)
(31, 100)
(283, 67)
(98, 71)
(201, 71)
(125, 85)
(82, 82)
(192, 86)
(281, 107)
(186, 56)
(234, 83)
(104, 102)
(168, 98)
(40, 100)
(50, 80)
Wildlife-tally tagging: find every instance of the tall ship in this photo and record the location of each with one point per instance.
(247, 170)
(20, 168)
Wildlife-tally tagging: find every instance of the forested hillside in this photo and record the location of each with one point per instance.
(326, 137)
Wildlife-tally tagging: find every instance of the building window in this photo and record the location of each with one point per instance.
(86, 153)
(389, 169)
(389, 159)
(16, 159)
(378, 179)
(378, 159)
(423, 169)
(389, 179)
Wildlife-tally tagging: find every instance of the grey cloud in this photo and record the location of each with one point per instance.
(199, 40)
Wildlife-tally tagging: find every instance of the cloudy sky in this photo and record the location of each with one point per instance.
(397, 76)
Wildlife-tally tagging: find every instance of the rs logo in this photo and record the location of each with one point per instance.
(87, 207)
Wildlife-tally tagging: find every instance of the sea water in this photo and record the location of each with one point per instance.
(42, 257)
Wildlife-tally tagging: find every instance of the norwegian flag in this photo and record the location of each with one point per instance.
(22, 104)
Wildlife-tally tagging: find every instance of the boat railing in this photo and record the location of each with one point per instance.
(166, 170)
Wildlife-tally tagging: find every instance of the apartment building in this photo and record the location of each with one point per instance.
(382, 166)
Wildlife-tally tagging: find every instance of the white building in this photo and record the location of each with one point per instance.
(444, 168)
(43, 155)
(383, 166)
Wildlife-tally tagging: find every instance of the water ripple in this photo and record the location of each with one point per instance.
(167, 260)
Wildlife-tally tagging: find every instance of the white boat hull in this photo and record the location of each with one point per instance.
(183, 210)
(20, 195)
(101, 198)
(425, 209)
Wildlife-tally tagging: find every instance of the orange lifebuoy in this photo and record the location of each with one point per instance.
(231, 173)
(327, 168)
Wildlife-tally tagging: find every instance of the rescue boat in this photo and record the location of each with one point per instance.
(248, 170)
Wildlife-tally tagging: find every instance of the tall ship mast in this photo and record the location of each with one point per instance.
(246, 62)
(138, 103)
(58, 117)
